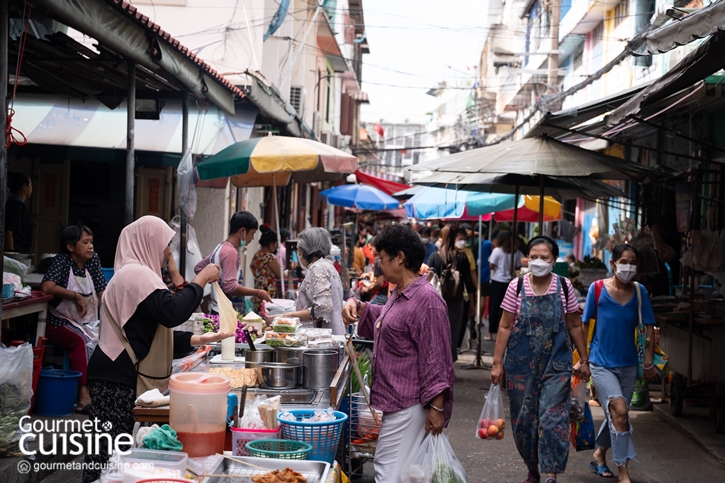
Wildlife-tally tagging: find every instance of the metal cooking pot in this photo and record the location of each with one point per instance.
(320, 367)
(279, 375)
(262, 354)
(293, 355)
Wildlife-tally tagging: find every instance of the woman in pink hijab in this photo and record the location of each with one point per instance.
(138, 312)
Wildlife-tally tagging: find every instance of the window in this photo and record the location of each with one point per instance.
(598, 34)
(578, 60)
(621, 12)
(416, 158)
(398, 159)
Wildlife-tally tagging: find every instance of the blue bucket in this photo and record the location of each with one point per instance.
(56, 394)
(108, 273)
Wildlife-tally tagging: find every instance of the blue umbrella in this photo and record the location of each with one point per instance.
(441, 203)
(360, 196)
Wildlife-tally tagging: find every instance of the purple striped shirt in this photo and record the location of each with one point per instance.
(412, 360)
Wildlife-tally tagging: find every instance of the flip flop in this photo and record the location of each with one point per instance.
(83, 410)
(601, 469)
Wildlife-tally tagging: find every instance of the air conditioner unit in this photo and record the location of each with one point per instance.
(344, 142)
(335, 140)
(324, 137)
(297, 95)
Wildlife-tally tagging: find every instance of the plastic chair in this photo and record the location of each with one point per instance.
(673, 288)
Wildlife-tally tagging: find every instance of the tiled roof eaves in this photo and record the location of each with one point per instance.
(156, 29)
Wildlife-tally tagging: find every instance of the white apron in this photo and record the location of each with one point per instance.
(87, 325)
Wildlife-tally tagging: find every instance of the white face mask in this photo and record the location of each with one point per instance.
(625, 272)
(540, 268)
(302, 264)
(461, 244)
(424, 240)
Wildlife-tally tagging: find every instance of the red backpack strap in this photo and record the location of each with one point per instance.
(598, 286)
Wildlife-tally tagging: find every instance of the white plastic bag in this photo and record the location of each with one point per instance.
(16, 390)
(492, 420)
(193, 252)
(434, 462)
(578, 399)
(186, 185)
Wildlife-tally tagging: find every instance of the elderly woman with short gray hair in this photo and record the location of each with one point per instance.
(320, 294)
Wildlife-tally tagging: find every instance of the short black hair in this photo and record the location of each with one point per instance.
(426, 231)
(466, 226)
(619, 250)
(71, 235)
(268, 235)
(401, 238)
(17, 180)
(541, 240)
(459, 231)
(242, 219)
(284, 234)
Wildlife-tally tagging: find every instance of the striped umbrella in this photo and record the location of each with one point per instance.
(274, 160)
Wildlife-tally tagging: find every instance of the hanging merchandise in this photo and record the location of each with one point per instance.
(707, 252)
(186, 185)
(193, 252)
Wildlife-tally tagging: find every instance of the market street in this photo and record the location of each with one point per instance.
(665, 454)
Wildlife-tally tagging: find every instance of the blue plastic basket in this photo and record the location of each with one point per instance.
(324, 437)
(8, 290)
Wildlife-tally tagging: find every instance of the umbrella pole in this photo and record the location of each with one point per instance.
(513, 232)
(279, 235)
(478, 363)
(541, 204)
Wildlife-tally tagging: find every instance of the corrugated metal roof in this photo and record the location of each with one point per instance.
(156, 29)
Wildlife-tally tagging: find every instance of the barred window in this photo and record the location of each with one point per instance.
(621, 12)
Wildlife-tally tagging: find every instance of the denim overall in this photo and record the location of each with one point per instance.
(538, 366)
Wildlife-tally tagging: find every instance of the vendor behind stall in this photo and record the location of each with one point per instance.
(242, 227)
(320, 296)
(76, 280)
(137, 342)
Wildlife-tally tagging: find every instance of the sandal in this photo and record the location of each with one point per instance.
(600, 470)
(532, 477)
(488, 337)
(83, 410)
(551, 480)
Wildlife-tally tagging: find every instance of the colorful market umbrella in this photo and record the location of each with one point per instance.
(441, 203)
(528, 209)
(360, 196)
(274, 160)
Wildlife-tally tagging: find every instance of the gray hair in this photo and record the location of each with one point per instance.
(314, 243)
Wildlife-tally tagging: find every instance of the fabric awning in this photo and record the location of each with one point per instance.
(557, 124)
(383, 185)
(64, 121)
(707, 59)
(697, 25)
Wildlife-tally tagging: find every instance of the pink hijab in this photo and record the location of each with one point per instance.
(137, 274)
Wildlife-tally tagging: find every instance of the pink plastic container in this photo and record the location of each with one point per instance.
(240, 438)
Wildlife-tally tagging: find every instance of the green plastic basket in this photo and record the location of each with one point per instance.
(284, 449)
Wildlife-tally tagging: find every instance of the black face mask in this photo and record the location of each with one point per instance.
(275, 251)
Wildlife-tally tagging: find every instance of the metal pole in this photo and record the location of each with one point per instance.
(3, 118)
(279, 235)
(552, 80)
(513, 232)
(478, 362)
(184, 147)
(130, 139)
(541, 204)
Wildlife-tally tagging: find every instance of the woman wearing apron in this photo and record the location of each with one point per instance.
(76, 280)
(539, 322)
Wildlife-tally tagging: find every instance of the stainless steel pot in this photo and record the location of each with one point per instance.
(292, 355)
(279, 375)
(262, 354)
(320, 367)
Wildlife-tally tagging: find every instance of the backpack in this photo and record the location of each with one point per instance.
(451, 282)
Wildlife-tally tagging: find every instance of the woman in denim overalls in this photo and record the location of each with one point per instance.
(538, 324)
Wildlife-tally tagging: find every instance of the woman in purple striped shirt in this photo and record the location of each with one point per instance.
(412, 369)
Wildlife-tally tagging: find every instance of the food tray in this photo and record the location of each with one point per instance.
(288, 329)
(313, 471)
(282, 343)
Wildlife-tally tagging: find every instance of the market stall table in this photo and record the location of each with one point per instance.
(708, 370)
(37, 303)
